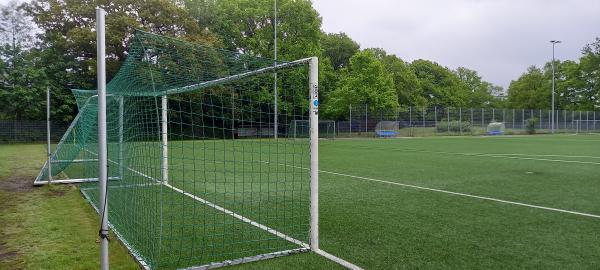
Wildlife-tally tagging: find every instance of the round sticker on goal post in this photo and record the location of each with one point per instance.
(315, 103)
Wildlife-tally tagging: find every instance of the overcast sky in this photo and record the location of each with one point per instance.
(498, 38)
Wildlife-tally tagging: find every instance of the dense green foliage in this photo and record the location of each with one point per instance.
(453, 126)
(60, 54)
(364, 81)
(577, 83)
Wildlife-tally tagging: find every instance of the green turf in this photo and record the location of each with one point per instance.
(383, 226)
(46, 227)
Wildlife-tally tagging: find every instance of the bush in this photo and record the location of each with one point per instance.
(453, 126)
(530, 125)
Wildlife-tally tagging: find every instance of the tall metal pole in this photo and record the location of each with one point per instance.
(48, 135)
(102, 151)
(554, 42)
(275, 91)
(164, 139)
(314, 153)
(121, 116)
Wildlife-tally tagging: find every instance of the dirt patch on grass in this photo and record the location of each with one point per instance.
(16, 183)
(58, 190)
(6, 255)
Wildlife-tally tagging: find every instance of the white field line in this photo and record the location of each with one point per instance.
(464, 194)
(544, 155)
(507, 156)
(449, 192)
(338, 260)
(226, 211)
(240, 217)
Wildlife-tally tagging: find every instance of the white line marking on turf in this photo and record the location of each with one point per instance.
(449, 192)
(543, 155)
(240, 217)
(464, 194)
(338, 260)
(511, 157)
(488, 155)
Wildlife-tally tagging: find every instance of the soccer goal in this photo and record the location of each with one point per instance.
(585, 126)
(301, 129)
(187, 191)
(495, 128)
(386, 129)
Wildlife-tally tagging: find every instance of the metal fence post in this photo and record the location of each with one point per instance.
(460, 119)
(366, 117)
(482, 117)
(410, 120)
(472, 122)
(513, 118)
(350, 120)
(541, 119)
(48, 135)
(448, 114)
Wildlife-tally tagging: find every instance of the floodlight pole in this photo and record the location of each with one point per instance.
(48, 135)
(554, 42)
(102, 143)
(314, 153)
(275, 94)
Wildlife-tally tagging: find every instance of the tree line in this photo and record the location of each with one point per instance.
(50, 43)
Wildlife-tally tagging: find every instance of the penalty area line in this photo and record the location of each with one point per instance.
(464, 194)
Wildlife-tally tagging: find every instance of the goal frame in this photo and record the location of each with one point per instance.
(101, 157)
(295, 127)
(578, 126)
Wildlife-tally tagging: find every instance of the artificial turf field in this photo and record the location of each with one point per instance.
(521, 202)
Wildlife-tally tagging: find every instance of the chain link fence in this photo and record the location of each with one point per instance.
(418, 122)
(20, 131)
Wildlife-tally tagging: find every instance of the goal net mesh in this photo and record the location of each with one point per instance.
(495, 128)
(386, 129)
(301, 129)
(221, 189)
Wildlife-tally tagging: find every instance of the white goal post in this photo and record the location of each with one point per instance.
(585, 126)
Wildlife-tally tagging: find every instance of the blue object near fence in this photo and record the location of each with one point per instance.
(495, 132)
(386, 133)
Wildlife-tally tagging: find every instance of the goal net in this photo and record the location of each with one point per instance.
(495, 128)
(585, 126)
(196, 175)
(386, 129)
(301, 129)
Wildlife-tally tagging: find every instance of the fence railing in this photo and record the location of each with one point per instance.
(13, 131)
(361, 121)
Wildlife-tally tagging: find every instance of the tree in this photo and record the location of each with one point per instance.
(530, 91)
(22, 80)
(408, 90)
(67, 42)
(339, 47)
(16, 29)
(440, 85)
(589, 64)
(480, 92)
(364, 81)
(247, 26)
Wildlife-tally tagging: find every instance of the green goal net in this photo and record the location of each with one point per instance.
(301, 129)
(196, 175)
